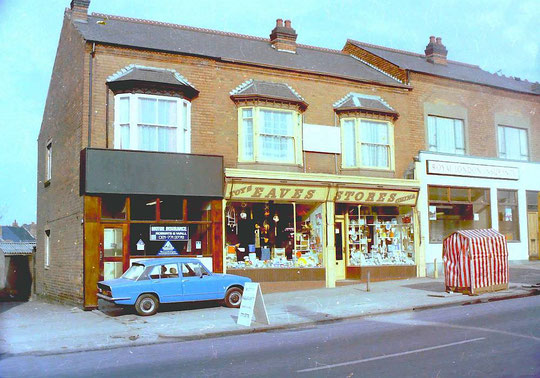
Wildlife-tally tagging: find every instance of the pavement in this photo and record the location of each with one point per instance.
(39, 327)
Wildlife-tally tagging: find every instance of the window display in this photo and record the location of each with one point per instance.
(379, 235)
(273, 235)
(507, 201)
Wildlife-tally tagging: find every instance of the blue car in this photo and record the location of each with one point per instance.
(147, 283)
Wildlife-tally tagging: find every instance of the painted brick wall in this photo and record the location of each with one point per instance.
(59, 206)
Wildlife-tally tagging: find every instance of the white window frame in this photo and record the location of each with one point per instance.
(48, 161)
(437, 148)
(502, 142)
(358, 144)
(256, 117)
(47, 251)
(183, 137)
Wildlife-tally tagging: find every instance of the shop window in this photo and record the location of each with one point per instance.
(446, 135)
(198, 209)
(269, 135)
(513, 143)
(152, 123)
(273, 235)
(47, 252)
(170, 208)
(367, 143)
(452, 209)
(507, 201)
(378, 235)
(143, 208)
(198, 241)
(113, 207)
(532, 201)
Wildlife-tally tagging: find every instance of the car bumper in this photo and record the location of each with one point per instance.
(110, 299)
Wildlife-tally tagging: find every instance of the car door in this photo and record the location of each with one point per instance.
(166, 282)
(197, 283)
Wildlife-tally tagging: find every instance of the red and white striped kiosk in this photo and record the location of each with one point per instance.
(475, 261)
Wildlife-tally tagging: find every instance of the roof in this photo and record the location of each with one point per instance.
(359, 101)
(453, 70)
(153, 74)
(15, 234)
(17, 248)
(279, 91)
(479, 233)
(225, 46)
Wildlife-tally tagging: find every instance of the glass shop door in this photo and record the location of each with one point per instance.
(113, 251)
(340, 260)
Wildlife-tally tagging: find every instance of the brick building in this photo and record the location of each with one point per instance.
(262, 157)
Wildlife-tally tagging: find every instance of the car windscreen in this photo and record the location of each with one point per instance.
(134, 272)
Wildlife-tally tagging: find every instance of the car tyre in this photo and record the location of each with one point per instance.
(233, 297)
(146, 305)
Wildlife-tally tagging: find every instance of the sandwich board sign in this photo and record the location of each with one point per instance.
(252, 304)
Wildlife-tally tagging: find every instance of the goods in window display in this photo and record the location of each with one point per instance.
(379, 239)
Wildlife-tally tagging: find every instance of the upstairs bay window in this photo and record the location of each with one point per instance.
(152, 123)
(446, 135)
(269, 135)
(513, 143)
(367, 143)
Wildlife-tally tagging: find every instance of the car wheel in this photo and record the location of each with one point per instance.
(233, 297)
(146, 305)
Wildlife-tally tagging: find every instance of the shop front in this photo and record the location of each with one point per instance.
(140, 205)
(315, 227)
(463, 193)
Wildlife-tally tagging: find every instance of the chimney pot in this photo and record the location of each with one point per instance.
(432, 39)
(279, 22)
(435, 51)
(439, 39)
(283, 38)
(287, 23)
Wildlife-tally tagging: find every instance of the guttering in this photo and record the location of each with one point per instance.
(91, 58)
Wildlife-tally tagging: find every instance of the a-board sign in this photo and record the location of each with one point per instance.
(252, 305)
(173, 233)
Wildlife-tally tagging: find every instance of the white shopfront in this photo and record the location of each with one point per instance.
(464, 192)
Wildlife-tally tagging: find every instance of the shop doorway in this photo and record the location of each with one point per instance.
(113, 251)
(340, 256)
(534, 232)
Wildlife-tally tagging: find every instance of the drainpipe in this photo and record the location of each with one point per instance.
(91, 59)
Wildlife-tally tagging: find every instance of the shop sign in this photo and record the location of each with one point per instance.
(168, 250)
(376, 196)
(174, 233)
(472, 170)
(278, 192)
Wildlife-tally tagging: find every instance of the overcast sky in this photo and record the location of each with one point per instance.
(498, 35)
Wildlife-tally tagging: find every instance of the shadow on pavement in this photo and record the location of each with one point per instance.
(112, 310)
(302, 312)
(6, 305)
(437, 287)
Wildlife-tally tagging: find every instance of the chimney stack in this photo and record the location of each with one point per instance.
(435, 51)
(79, 10)
(283, 38)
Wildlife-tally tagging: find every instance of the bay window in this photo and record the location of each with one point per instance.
(269, 135)
(446, 135)
(367, 143)
(513, 143)
(152, 123)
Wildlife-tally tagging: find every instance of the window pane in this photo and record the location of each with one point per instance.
(112, 242)
(432, 133)
(374, 156)
(374, 144)
(167, 112)
(513, 150)
(446, 135)
(523, 144)
(502, 143)
(508, 213)
(124, 137)
(166, 139)
(148, 138)
(247, 133)
(171, 207)
(147, 111)
(437, 193)
(276, 123)
(459, 195)
(276, 141)
(143, 208)
(374, 132)
(458, 130)
(124, 110)
(113, 207)
(349, 144)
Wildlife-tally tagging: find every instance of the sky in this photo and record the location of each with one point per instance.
(498, 35)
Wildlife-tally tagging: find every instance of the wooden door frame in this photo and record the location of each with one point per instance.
(342, 271)
(125, 247)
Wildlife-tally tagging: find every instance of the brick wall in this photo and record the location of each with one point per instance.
(59, 206)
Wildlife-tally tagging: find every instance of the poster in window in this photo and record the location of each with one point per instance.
(432, 212)
(508, 214)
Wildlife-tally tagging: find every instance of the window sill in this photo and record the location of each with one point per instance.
(367, 169)
(47, 183)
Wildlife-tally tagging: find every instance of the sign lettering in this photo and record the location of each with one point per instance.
(174, 233)
(449, 168)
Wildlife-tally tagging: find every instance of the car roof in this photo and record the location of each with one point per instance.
(167, 260)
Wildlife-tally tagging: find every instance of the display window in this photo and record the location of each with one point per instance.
(452, 209)
(274, 235)
(378, 235)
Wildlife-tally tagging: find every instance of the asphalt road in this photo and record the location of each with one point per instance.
(490, 339)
